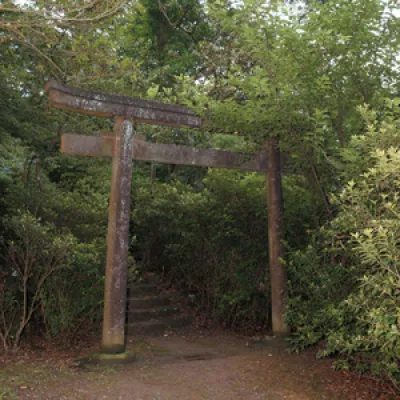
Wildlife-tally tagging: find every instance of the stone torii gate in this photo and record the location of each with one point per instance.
(124, 147)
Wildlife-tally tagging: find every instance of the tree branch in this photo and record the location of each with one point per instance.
(57, 17)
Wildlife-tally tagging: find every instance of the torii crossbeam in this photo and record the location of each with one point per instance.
(123, 147)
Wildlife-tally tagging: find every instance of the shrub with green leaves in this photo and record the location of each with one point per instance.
(208, 242)
(37, 252)
(362, 322)
(214, 243)
(54, 237)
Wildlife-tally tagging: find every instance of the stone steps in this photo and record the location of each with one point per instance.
(137, 315)
(143, 290)
(158, 326)
(147, 302)
(150, 313)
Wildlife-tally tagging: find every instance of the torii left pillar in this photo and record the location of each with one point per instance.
(113, 339)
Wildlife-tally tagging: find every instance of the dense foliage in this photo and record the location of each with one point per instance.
(53, 236)
(208, 241)
(321, 76)
(353, 303)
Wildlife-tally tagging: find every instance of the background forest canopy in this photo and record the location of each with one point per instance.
(322, 76)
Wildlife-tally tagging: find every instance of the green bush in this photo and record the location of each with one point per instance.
(214, 243)
(360, 319)
(37, 252)
(207, 242)
(54, 238)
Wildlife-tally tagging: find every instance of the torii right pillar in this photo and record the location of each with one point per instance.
(277, 266)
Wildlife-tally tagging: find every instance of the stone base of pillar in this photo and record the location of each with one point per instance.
(273, 343)
(126, 357)
(112, 349)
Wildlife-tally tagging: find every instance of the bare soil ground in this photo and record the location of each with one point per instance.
(186, 365)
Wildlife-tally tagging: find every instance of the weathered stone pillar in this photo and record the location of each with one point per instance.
(113, 340)
(277, 267)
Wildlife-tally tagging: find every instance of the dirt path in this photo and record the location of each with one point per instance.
(190, 366)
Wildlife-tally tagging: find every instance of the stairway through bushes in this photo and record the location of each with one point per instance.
(152, 310)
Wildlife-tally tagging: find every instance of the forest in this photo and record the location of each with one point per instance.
(322, 77)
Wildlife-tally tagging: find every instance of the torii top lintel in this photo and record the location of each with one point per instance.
(109, 105)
